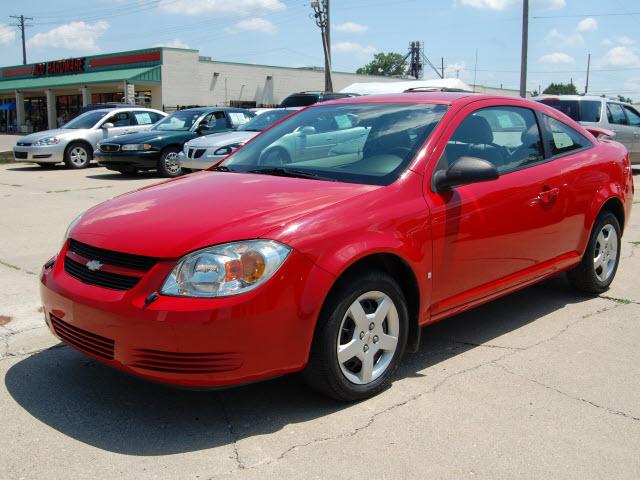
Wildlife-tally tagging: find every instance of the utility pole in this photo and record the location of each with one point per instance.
(442, 66)
(21, 25)
(525, 41)
(586, 86)
(321, 15)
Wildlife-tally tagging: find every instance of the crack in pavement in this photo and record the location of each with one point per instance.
(568, 395)
(433, 389)
(66, 190)
(13, 333)
(15, 267)
(232, 434)
(486, 345)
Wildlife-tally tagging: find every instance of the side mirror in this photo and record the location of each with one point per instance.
(464, 171)
(306, 130)
(203, 125)
(107, 125)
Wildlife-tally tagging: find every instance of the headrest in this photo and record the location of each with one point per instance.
(530, 136)
(474, 129)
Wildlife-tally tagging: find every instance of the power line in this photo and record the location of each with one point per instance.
(21, 25)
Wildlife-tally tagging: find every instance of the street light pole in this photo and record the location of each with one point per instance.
(321, 14)
(525, 41)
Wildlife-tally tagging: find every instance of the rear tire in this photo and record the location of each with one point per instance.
(168, 165)
(360, 338)
(77, 155)
(599, 265)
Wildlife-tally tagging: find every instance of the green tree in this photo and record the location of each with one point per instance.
(561, 89)
(385, 64)
(622, 98)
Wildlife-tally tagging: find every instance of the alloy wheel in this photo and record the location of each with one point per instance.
(171, 163)
(78, 156)
(368, 337)
(605, 252)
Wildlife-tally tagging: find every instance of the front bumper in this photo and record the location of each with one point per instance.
(144, 159)
(201, 163)
(44, 154)
(186, 341)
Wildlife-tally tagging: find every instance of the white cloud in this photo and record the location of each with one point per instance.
(252, 25)
(556, 58)
(622, 56)
(79, 36)
(624, 40)
(221, 7)
(176, 43)
(454, 69)
(7, 34)
(587, 25)
(554, 37)
(505, 4)
(353, 49)
(351, 27)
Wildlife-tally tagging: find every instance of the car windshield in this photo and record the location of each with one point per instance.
(86, 120)
(578, 110)
(264, 120)
(359, 143)
(299, 100)
(178, 121)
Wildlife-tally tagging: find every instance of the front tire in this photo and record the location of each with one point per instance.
(599, 265)
(169, 165)
(77, 155)
(360, 338)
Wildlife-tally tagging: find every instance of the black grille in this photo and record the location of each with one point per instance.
(114, 281)
(23, 144)
(127, 260)
(109, 147)
(198, 153)
(20, 154)
(83, 340)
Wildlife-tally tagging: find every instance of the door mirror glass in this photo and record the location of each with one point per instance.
(464, 171)
(107, 125)
(307, 130)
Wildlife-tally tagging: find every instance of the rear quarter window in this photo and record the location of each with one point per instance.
(564, 139)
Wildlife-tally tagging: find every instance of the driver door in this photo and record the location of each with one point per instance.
(123, 123)
(490, 236)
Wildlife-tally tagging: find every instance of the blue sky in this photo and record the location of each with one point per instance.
(282, 32)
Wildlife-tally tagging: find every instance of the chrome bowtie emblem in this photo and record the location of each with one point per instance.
(94, 265)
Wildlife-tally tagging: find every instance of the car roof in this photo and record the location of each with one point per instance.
(213, 109)
(119, 109)
(568, 97)
(443, 98)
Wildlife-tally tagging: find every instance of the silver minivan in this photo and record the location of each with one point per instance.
(590, 110)
(75, 142)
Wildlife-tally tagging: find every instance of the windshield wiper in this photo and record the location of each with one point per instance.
(289, 172)
(222, 168)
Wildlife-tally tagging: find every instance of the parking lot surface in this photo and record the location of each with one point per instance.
(540, 384)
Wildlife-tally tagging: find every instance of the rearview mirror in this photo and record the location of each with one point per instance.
(464, 171)
(107, 125)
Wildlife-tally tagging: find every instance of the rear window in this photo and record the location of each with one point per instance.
(299, 100)
(578, 110)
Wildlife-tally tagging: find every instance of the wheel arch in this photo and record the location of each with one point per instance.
(82, 141)
(615, 206)
(398, 268)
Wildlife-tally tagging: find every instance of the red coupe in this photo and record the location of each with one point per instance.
(325, 243)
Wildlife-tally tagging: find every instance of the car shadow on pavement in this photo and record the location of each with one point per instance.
(110, 410)
(120, 176)
(28, 167)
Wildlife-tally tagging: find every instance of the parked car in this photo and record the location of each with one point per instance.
(330, 264)
(75, 142)
(157, 149)
(621, 118)
(203, 152)
(304, 99)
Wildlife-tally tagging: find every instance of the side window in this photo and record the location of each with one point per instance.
(615, 114)
(156, 117)
(238, 118)
(564, 138)
(217, 121)
(120, 119)
(508, 137)
(633, 116)
(143, 118)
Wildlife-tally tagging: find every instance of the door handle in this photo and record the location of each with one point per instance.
(548, 195)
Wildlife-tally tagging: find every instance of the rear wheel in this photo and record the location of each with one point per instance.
(169, 165)
(360, 339)
(599, 264)
(77, 155)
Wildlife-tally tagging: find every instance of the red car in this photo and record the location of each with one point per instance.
(325, 243)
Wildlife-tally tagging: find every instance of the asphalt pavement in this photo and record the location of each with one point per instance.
(542, 384)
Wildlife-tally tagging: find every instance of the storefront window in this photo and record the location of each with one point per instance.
(67, 107)
(35, 114)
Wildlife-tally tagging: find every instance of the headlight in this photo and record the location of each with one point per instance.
(73, 223)
(227, 149)
(47, 141)
(227, 269)
(136, 146)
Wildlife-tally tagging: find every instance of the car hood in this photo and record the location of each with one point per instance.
(220, 139)
(150, 136)
(58, 132)
(173, 218)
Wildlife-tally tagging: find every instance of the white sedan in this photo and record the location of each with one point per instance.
(203, 152)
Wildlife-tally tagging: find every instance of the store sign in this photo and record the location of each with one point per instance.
(71, 65)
